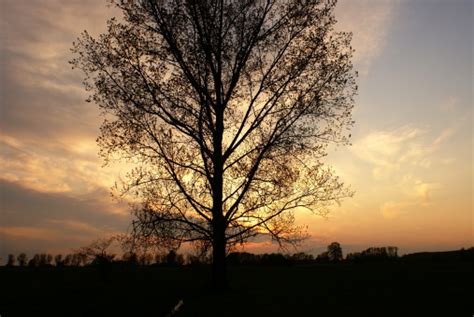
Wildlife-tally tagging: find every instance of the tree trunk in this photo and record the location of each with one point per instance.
(219, 274)
(219, 265)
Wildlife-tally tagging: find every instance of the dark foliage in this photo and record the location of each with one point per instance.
(418, 287)
(11, 260)
(22, 259)
(335, 252)
(458, 255)
(374, 254)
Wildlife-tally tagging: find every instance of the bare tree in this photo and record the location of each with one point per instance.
(97, 252)
(22, 259)
(48, 259)
(11, 260)
(227, 107)
(78, 259)
(43, 259)
(58, 260)
(392, 252)
(35, 261)
(67, 260)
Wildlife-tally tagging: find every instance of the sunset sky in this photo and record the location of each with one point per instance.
(410, 162)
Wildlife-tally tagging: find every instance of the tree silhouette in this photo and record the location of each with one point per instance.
(35, 261)
(392, 252)
(58, 260)
(131, 258)
(335, 252)
(11, 260)
(227, 107)
(97, 252)
(67, 260)
(374, 254)
(302, 258)
(44, 259)
(323, 257)
(22, 259)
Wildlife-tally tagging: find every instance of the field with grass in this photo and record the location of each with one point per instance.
(433, 288)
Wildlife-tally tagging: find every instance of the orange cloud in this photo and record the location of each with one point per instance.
(31, 233)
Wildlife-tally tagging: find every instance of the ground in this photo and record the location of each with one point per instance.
(370, 289)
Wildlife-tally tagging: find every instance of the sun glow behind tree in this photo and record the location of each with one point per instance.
(228, 107)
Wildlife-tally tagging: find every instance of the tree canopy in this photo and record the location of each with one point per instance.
(227, 108)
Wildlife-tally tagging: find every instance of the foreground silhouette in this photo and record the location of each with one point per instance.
(425, 284)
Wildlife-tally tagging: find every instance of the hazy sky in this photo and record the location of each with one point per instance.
(410, 163)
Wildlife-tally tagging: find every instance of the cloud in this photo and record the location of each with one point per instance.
(77, 227)
(418, 194)
(35, 221)
(424, 191)
(48, 131)
(389, 151)
(401, 161)
(443, 137)
(30, 233)
(393, 209)
(74, 167)
(41, 96)
(22, 206)
(53, 190)
(369, 21)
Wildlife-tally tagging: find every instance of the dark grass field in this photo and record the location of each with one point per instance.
(377, 289)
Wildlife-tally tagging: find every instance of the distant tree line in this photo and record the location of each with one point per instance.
(45, 259)
(374, 254)
(333, 254)
(81, 259)
(98, 254)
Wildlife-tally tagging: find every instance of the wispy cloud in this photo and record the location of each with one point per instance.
(30, 233)
(389, 151)
(416, 195)
(41, 96)
(73, 168)
(401, 160)
(393, 209)
(369, 21)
